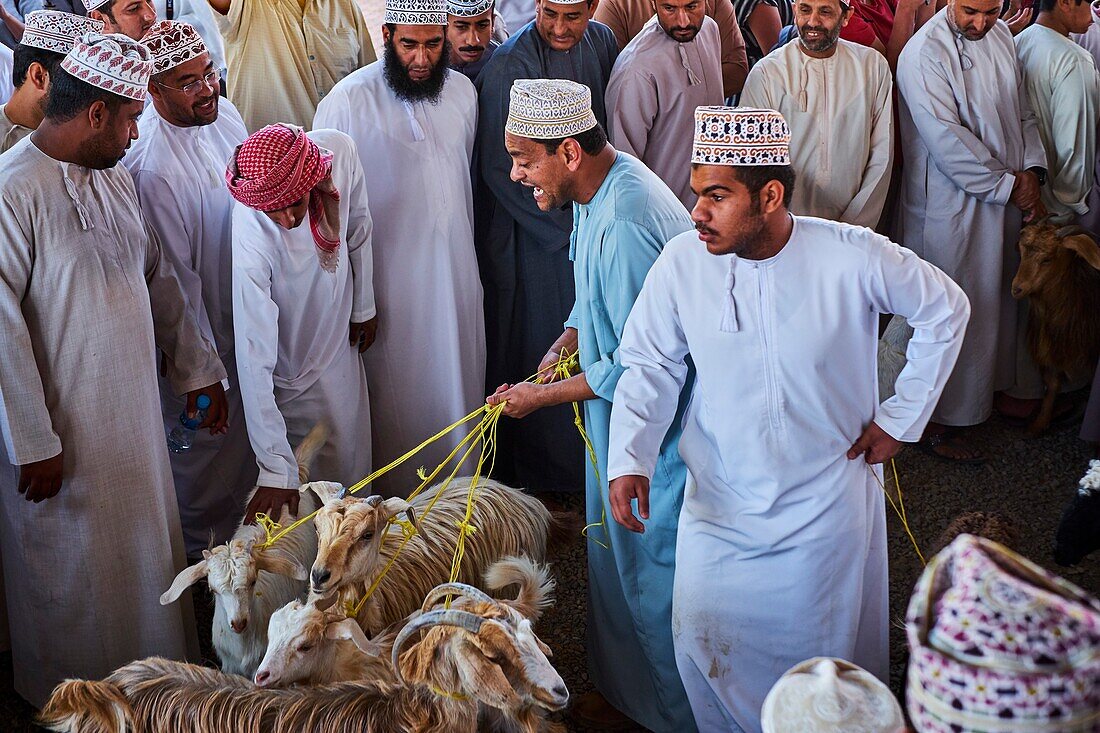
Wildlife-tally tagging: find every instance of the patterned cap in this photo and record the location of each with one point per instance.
(824, 695)
(740, 136)
(416, 12)
(549, 109)
(95, 4)
(468, 8)
(999, 645)
(171, 43)
(113, 62)
(52, 30)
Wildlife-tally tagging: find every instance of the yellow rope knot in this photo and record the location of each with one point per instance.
(422, 474)
(270, 527)
(466, 528)
(408, 529)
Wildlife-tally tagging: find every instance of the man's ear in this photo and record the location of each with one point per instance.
(38, 77)
(98, 114)
(571, 152)
(385, 34)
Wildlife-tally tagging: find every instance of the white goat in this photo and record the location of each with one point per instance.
(355, 543)
(249, 582)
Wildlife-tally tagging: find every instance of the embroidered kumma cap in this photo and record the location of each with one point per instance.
(416, 12)
(999, 645)
(740, 136)
(95, 4)
(53, 30)
(825, 695)
(468, 8)
(549, 109)
(112, 62)
(171, 43)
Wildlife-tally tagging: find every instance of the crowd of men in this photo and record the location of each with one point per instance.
(480, 204)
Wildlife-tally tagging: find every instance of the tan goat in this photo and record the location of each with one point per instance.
(355, 542)
(1060, 276)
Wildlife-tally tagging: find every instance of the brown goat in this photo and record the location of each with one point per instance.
(1060, 276)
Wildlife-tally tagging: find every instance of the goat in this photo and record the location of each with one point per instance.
(1079, 528)
(990, 525)
(314, 644)
(355, 543)
(249, 581)
(461, 660)
(1059, 274)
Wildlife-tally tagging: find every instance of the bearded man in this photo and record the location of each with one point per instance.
(177, 165)
(668, 70)
(974, 166)
(88, 521)
(837, 98)
(48, 36)
(413, 121)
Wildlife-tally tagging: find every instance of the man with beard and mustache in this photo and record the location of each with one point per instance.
(623, 215)
(177, 163)
(837, 98)
(974, 167)
(781, 551)
(523, 251)
(413, 121)
(86, 299)
(470, 25)
(668, 70)
(49, 35)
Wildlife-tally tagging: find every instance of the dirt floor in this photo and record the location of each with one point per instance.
(1028, 480)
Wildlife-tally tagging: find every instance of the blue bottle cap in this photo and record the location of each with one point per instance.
(203, 402)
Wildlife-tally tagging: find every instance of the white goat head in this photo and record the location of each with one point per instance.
(486, 655)
(231, 571)
(302, 641)
(349, 537)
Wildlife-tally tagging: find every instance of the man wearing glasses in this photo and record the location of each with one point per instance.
(178, 163)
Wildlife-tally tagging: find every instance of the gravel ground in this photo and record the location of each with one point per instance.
(1028, 480)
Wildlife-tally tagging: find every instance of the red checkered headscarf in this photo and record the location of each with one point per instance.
(278, 165)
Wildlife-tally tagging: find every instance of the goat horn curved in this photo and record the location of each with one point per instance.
(1069, 231)
(457, 589)
(1040, 221)
(461, 619)
(374, 500)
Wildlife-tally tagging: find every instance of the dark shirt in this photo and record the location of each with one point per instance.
(472, 70)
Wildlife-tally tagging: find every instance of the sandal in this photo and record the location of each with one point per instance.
(930, 443)
(1066, 412)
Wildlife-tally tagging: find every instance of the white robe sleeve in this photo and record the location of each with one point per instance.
(653, 352)
(757, 90)
(256, 332)
(866, 206)
(631, 111)
(24, 418)
(900, 282)
(360, 252)
(1074, 112)
(1034, 152)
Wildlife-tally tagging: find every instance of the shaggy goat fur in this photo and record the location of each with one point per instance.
(245, 596)
(990, 525)
(355, 542)
(1060, 276)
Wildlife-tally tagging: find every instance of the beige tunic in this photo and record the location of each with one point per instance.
(283, 59)
(10, 133)
(80, 273)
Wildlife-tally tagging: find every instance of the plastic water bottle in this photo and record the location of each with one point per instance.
(182, 436)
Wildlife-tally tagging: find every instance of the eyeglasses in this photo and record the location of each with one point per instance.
(210, 79)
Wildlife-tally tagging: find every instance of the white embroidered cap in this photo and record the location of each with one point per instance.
(171, 43)
(53, 30)
(112, 62)
(468, 8)
(740, 136)
(95, 4)
(416, 12)
(824, 695)
(549, 109)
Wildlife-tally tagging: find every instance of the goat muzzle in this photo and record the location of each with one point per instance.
(239, 625)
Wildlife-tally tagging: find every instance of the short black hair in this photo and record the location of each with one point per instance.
(591, 141)
(1046, 6)
(24, 56)
(70, 96)
(755, 177)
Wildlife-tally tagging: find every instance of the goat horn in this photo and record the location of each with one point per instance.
(1069, 231)
(1041, 221)
(462, 619)
(342, 493)
(457, 589)
(374, 500)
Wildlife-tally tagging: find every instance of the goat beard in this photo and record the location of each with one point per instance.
(407, 90)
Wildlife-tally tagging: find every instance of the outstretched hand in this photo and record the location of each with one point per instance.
(875, 445)
(270, 501)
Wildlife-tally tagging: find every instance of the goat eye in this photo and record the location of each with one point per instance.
(366, 536)
(304, 647)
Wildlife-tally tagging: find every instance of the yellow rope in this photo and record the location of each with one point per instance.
(899, 506)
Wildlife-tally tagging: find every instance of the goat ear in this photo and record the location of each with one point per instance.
(183, 581)
(276, 562)
(1085, 248)
(327, 491)
(545, 649)
(348, 630)
(394, 506)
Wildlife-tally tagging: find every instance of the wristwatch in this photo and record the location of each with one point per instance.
(1040, 173)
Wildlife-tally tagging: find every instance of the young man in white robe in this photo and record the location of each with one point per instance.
(303, 305)
(88, 520)
(781, 548)
(178, 165)
(671, 67)
(413, 121)
(47, 36)
(837, 98)
(1063, 87)
(974, 165)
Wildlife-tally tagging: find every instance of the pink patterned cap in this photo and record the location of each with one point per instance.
(112, 62)
(999, 645)
(53, 30)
